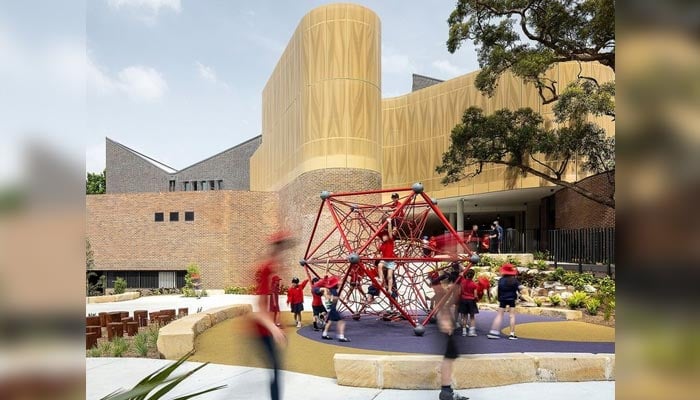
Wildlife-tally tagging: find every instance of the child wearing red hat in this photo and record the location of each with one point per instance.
(508, 291)
(295, 299)
(317, 291)
(333, 314)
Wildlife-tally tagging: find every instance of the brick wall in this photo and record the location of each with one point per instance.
(300, 201)
(573, 211)
(226, 238)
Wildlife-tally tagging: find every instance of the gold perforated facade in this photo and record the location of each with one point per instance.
(322, 108)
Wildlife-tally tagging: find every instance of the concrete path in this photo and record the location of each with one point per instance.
(104, 375)
(157, 303)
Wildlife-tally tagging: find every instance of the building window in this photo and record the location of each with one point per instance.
(189, 215)
(185, 186)
(158, 217)
(174, 216)
(171, 186)
(221, 184)
(194, 186)
(211, 185)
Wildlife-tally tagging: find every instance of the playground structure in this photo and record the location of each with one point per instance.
(345, 239)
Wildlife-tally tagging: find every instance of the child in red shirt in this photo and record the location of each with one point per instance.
(295, 298)
(467, 303)
(275, 299)
(386, 249)
(317, 291)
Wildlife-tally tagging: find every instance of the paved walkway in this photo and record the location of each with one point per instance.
(104, 375)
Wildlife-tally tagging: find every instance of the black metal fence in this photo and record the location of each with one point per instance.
(578, 246)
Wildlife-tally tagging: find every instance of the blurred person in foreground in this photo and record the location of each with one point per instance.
(446, 325)
(268, 334)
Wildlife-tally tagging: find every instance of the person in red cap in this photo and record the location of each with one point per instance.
(319, 310)
(269, 335)
(333, 314)
(508, 291)
(295, 298)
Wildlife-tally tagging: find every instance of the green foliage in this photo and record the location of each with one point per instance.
(487, 261)
(538, 302)
(203, 293)
(527, 39)
(96, 183)
(105, 348)
(577, 280)
(141, 344)
(541, 255)
(514, 260)
(606, 288)
(94, 351)
(557, 275)
(119, 285)
(152, 336)
(592, 305)
(245, 290)
(531, 280)
(520, 141)
(555, 299)
(576, 300)
(192, 269)
(119, 346)
(540, 265)
(608, 309)
(160, 383)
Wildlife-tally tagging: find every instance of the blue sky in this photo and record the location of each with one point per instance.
(180, 80)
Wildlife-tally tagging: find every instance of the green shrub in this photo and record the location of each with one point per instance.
(608, 309)
(188, 292)
(576, 300)
(152, 334)
(555, 299)
(578, 281)
(119, 285)
(592, 305)
(541, 255)
(557, 275)
(540, 265)
(538, 302)
(105, 348)
(94, 352)
(236, 290)
(119, 346)
(141, 344)
(515, 261)
(606, 287)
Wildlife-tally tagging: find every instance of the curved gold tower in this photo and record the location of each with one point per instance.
(322, 104)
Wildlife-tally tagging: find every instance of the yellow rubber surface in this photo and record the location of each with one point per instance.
(567, 331)
(229, 343)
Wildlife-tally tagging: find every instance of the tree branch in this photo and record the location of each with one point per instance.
(610, 202)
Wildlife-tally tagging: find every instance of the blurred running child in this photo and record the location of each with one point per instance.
(331, 296)
(275, 299)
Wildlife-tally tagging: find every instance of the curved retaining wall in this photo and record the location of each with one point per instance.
(112, 298)
(177, 338)
(471, 371)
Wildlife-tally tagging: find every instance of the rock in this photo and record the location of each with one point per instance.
(546, 272)
(528, 304)
(541, 292)
(522, 270)
(570, 288)
(565, 295)
(532, 272)
(550, 285)
(561, 288)
(589, 289)
(525, 292)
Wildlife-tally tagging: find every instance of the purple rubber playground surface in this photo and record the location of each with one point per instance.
(372, 333)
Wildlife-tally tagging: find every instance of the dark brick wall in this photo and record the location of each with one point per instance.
(573, 211)
(129, 173)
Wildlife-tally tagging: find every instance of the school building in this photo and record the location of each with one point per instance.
(325, 126)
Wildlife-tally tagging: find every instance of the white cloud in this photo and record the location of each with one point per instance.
(447, 68)
(146, 11)
(207, 73)
(140, 83)
(397, 64)
(153, 6)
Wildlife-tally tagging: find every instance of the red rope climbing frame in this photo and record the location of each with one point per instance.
(348, 228)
